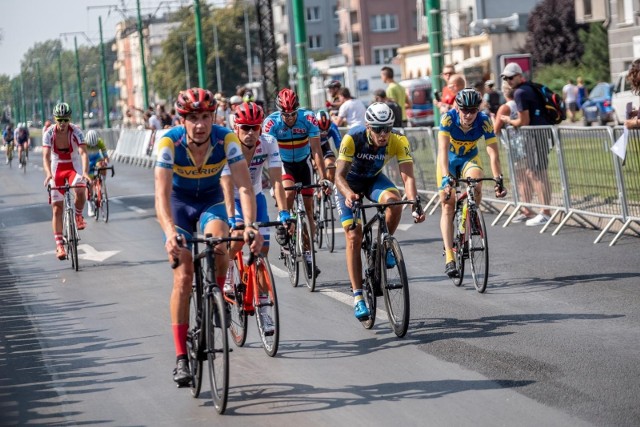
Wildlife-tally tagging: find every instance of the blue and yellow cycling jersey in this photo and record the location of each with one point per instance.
(189, 180)
(293, 141)
(366, 159)
(465, 144)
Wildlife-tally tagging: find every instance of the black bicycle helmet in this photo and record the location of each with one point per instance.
(468, 98)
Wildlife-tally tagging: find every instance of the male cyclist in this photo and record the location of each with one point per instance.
(296, 130)
(187, 183)
(258, 149)
(363, 153)
(98, 158)
(22, 139)
(7, 139)
(460, 130)
(64, 159)
(328, 129)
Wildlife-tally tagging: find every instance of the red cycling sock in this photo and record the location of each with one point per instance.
(180, 338)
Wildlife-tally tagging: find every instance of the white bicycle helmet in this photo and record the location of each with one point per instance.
(379, 114)
(92, 138)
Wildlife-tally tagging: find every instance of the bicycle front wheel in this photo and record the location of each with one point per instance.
(238, 327)
(195, 341)
(395, 286)
(72, 239)
(329, 222)
(23, 162)
(460, 251)
(267, 308)
(104, 202)
(307, 251)
(478, 249)
(319, 219)
(217, 348)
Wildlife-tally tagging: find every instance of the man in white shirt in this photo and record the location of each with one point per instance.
(351, 112)
(570, 96)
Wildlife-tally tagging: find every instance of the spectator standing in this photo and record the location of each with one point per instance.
(351, 111)
(165, 119)
(582, 92)
(456, 84)
(570, 96)
(633, 77)
(154, 121)
(446, 96)
(395, 92)
(492, 97)
(381, 96)
(333, 103)
(516, 149)
(536, 150)
(235, 101)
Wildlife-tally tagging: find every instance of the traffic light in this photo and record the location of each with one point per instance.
(93, 93)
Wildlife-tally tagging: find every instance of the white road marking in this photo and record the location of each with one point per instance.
(86, 252)
(137, 209)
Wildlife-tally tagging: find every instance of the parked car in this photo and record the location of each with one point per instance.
(597, 108)
(419, 93)
(622, 95)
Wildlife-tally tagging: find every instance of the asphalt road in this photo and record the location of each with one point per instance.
(555, 341)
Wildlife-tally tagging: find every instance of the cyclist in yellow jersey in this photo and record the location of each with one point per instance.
(364, 151)
(460, 131)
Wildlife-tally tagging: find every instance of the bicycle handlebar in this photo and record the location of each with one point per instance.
(299, 187)
(106, 168)
(469, 181)
(357, 206)
(208, 240)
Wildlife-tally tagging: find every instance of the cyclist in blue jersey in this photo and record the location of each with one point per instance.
(461, 128)
(364, 152)
(296, 130)
(22, 139)
(188, 191)
(328, 130)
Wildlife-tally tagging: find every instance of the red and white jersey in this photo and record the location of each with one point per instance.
(72, 155)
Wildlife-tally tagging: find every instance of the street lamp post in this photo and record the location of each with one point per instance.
(145, 89)
(81, 101)
(103, 71)
(202, 80)
(60, 86)
(215, 47)
(40, 92)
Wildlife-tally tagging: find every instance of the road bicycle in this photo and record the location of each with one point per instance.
(378, 278)
(99, 195)
(300, 241)
(70, 236)
(323, 216)
(208, 319)
(23, 160)
(470, 235)
(254, 293)
(10, 153)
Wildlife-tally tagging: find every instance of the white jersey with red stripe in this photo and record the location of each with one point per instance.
(67, 158)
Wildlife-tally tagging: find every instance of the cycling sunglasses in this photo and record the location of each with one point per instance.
(63, 119)
(381, 129)
(247, 128)
(289, 115)
(468, 110)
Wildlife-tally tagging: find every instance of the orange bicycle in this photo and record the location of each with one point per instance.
(100, 198)
(254, 293)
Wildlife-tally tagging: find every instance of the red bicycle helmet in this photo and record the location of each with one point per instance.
(324, 121)
(249, 113)
(287, 101)
(195, 100)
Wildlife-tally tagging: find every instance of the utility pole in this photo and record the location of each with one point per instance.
(103, 71)
(247, 36)
(60, 86)
(145, 88)
(215, 53)
(202, 81)
(301, 52)
(81, 101)
(40, 92)
(434, 22)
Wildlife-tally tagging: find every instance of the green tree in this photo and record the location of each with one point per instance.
(596, 52)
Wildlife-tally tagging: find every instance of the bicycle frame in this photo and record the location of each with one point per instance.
(69, 225)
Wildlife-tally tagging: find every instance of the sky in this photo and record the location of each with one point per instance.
(27, 22)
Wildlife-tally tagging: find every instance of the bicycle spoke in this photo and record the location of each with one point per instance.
(267, 308)
(194, 342)
(395, 286)
(307, 250)
(238, 327)
(478, 250)
(217, 349)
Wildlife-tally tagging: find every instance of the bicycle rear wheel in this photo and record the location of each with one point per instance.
(270, 339)
(238, 327)
(329, 223)
(289, 256)
(217, 348)
(104, 201)
(395, 287)
(195, 340)
(23, 162)
(305, 235)
(478, 249)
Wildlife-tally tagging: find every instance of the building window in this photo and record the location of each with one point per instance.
(384, 54)
(586, 4)
(383, 23)
(284, 38)
(313, 13)
(335, 13)
(338, 40)
(315, 42)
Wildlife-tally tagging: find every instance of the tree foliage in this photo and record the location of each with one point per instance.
(553, 33)
(596, 52)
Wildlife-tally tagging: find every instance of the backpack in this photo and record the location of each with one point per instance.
(554, 108)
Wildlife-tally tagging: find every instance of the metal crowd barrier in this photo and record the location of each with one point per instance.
(568, 170)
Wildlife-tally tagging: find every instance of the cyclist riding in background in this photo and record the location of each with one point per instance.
(188, 166)
(7, 139)
(364, 151)
(258, 150)
(64, 159)
(296, 130)
(22, 139)
(328, 129)
(460, 130)
(98, 158)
